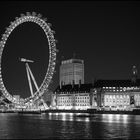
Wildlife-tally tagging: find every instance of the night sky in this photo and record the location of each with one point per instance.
(104, 34)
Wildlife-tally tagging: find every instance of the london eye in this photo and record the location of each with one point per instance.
(49, 33)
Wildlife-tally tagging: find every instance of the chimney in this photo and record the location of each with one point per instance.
(134, 74)
(61, 84)
(79, 83)
(72, 83)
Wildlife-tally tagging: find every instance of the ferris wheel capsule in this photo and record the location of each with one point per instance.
(53, 31)
(39, 15)
(28, 13)
(49, 24)
(34, 14)
(22, 15)
(45, 19)
(16, 18)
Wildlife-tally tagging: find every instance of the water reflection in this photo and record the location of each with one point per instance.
(116, 118)
(67, 125)
(61, 116)
(101, 126)
(68, 117)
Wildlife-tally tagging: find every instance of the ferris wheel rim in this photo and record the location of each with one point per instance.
(35, 18)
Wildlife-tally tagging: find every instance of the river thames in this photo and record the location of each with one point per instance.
(67, 126)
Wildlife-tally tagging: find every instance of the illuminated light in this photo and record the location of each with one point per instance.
(50, 113)
(110, 96)
(87, 120)
(118, 116)
(110, 118)
(56, 114)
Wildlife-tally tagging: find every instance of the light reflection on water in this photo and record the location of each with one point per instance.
(117, 118)
(67, 117)
(67, 125)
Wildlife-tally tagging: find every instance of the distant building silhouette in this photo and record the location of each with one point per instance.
(134, 74)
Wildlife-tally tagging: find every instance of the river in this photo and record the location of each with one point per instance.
(67, 126)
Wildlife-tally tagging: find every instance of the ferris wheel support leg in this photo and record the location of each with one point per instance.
(29, 80)
(44, 104)
(32, 77)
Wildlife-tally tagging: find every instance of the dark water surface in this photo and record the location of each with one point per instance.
(67, 126)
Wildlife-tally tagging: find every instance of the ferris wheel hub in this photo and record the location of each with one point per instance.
(26, 60)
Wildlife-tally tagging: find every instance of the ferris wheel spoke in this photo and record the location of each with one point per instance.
(33, 78)
(29, 80)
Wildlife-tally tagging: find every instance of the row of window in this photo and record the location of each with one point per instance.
(116, 96)
(76, 97)
(80, 71)
(119, 101)
(72, 92)
(65, 101)
(137, 97)
(137, 103)
(82, 100)
(73, 105)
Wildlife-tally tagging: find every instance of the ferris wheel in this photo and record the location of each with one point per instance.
(39, 20)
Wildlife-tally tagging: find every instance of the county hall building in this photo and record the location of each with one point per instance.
(73, 93)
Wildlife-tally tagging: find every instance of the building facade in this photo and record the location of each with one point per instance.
(73, 97)
(73, 94)
(72, 72)
(118, 94)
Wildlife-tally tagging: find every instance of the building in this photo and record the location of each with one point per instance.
(103, 94)
(118, 94)
(73, 97)
(71, 72)
(72, 93)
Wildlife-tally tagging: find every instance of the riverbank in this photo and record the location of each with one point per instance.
(94, 111)
(90, 111)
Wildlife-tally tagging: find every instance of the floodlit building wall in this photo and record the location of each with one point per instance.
(77, 101)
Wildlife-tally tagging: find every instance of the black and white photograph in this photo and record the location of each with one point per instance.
(69, 69)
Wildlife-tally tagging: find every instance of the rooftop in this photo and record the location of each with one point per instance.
(72, 61)
(74, 88)
(116, 83)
